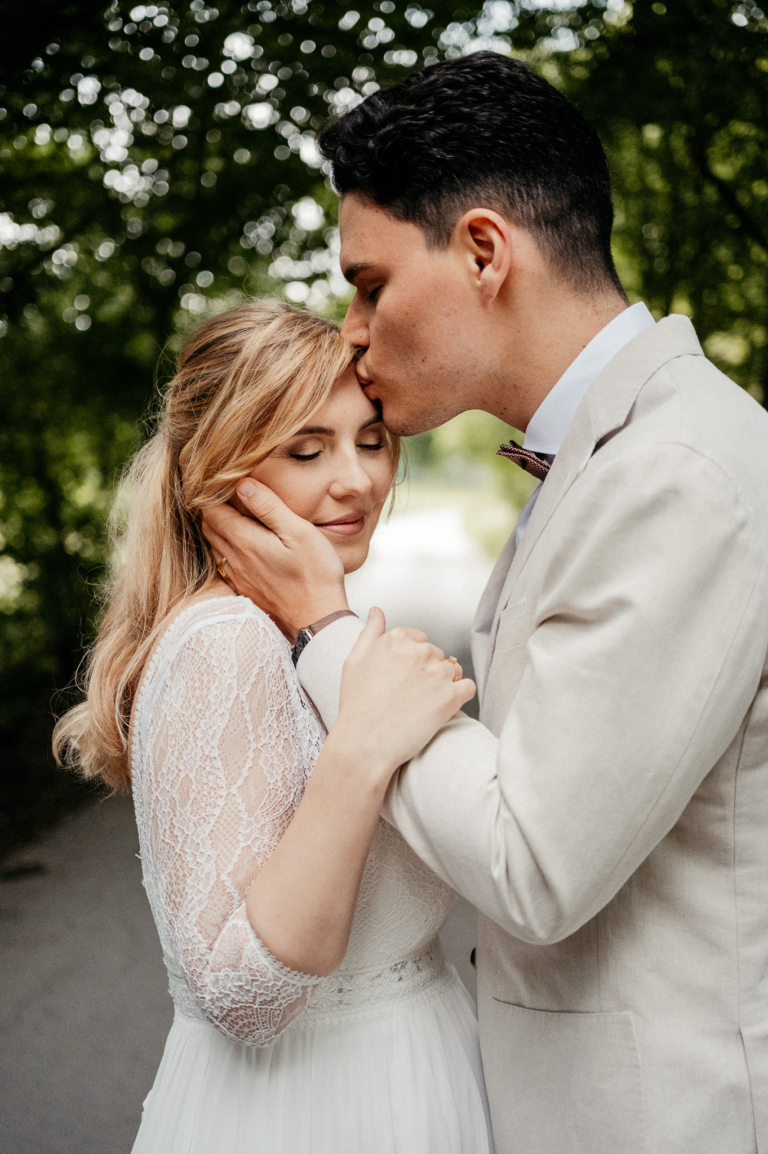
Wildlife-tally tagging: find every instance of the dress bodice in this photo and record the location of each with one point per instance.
(224, 741)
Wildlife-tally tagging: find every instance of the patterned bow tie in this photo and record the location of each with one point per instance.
(537, 464)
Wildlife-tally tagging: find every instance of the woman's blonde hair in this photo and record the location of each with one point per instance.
(246, 380)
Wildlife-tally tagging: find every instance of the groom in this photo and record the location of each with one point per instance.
(609, 817)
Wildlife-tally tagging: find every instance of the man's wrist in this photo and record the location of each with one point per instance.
(307, 632)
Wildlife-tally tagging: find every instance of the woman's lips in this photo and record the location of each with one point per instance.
(347, 526)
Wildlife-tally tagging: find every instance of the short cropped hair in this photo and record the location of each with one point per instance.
(483, 131)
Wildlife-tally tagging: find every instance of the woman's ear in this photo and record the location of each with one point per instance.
(487, 241)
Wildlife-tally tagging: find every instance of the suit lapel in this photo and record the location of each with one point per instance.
(604, 409)
(482, 626)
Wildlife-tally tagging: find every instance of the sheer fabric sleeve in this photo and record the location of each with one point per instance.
(224, 769)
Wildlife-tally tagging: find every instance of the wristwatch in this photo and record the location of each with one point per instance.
(304, 636)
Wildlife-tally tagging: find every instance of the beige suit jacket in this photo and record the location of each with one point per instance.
(609, 818)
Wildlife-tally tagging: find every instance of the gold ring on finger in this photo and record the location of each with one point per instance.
(456, 668)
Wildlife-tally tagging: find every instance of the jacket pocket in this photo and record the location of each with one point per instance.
(562, 1083)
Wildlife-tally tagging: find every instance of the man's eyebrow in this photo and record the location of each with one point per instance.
(352, 271)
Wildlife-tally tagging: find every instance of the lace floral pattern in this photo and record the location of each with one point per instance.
(224, 741)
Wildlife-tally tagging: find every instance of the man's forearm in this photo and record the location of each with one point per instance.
(320, 665)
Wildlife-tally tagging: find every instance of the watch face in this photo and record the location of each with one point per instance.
(303, 638)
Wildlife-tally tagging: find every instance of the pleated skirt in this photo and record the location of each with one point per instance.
(400, 1077)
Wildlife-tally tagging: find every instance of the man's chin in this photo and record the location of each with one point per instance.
(408, 425)
(410, 428)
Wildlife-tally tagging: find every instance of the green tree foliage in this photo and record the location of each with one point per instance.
(157, 162)
(679, 93)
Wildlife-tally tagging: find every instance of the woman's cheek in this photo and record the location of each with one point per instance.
(295, 488)
(382, 478)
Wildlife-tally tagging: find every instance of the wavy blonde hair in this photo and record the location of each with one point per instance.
(246, 381)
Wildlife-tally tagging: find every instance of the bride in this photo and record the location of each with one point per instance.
(314, 1012)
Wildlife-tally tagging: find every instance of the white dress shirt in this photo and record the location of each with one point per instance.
(549, 424)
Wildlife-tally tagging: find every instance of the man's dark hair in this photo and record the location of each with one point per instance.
(483, 131)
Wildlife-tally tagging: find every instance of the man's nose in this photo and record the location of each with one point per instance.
(354, 328)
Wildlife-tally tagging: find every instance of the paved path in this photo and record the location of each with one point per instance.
(84, 1009)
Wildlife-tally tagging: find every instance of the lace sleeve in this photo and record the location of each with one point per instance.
(222, 776)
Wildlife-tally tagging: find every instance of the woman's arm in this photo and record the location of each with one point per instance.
(396, 693)
(254, 887)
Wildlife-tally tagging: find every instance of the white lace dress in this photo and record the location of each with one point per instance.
(379, 1058)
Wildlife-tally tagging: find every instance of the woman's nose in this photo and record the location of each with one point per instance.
(351, 479)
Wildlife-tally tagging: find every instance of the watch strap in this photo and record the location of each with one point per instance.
(305, 635)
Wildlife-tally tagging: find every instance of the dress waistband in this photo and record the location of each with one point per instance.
(354, 990)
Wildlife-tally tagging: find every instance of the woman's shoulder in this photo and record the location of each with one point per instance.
(226, 619)
(218, 631)
(214, 651)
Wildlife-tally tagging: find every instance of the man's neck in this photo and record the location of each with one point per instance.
(541, 340)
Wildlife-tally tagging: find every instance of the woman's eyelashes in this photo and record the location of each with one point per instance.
(310, 453)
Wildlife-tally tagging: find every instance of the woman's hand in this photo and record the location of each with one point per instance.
(283, 563)
(397, 690)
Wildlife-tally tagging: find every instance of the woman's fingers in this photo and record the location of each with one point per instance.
(465, 689)
(283, 563)
(215, 540)
(407, 631)
(374, 629)
(265, 505)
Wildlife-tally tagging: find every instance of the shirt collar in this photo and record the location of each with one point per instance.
(548, 425)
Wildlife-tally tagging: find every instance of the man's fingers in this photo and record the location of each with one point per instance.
(262, 503)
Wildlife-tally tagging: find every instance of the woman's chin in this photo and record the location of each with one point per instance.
(352, 555)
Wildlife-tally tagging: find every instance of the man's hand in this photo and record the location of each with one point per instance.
(282, 562)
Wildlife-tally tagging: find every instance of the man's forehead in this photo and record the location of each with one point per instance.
(362, 223)
(371, 237)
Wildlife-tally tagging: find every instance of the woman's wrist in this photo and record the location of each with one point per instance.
(350, 754)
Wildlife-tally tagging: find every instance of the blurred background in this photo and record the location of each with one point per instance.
(157, 163)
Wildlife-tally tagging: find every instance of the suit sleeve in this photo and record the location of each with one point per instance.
(647, 649)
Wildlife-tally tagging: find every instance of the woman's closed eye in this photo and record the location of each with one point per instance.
(305, 456)
(371, 440)
(367, 446)
(307, 449)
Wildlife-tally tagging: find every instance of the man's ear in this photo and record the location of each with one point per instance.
(487, 243)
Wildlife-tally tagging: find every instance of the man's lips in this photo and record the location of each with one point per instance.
(346, 526)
